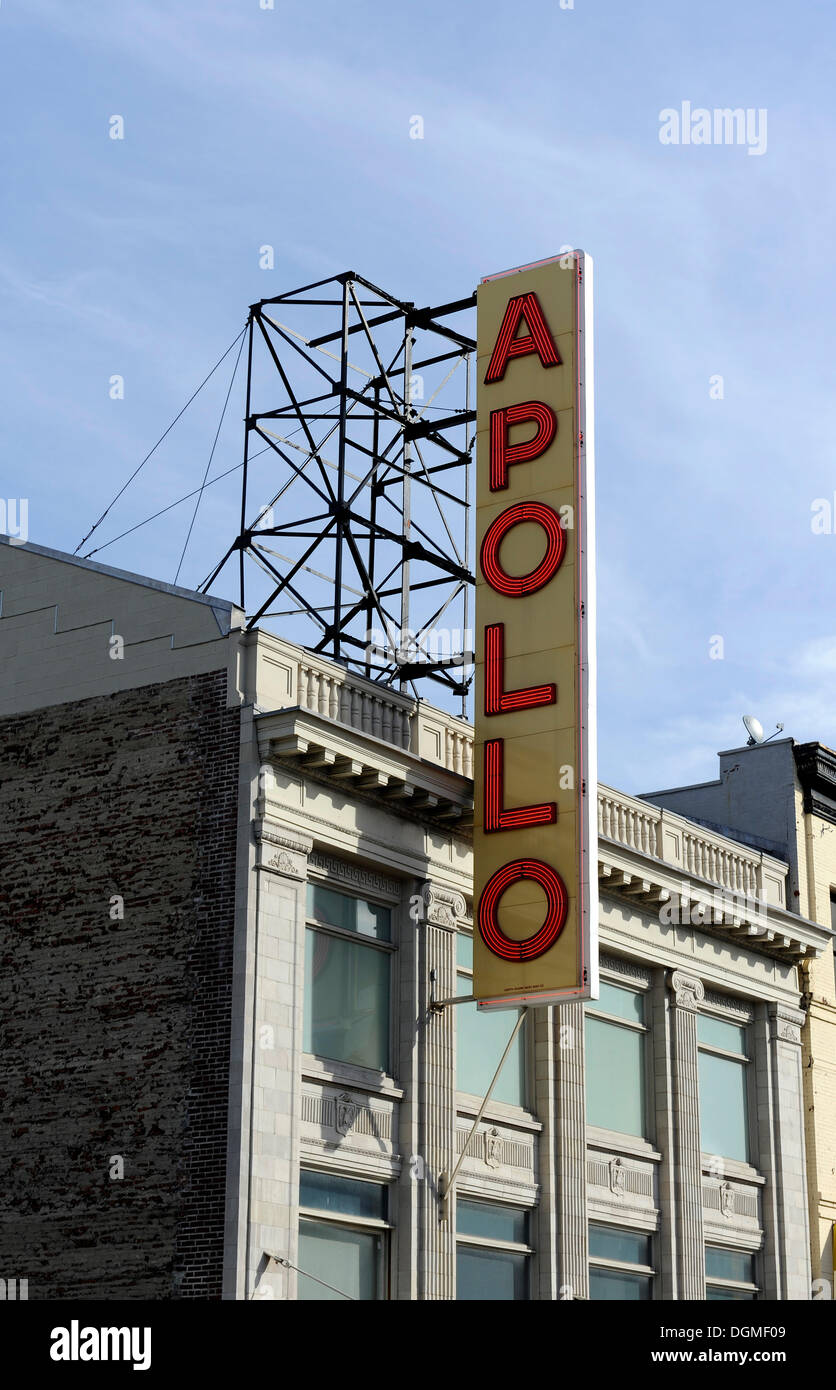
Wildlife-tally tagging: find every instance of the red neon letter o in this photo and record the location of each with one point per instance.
(557, 906)
(514, 586)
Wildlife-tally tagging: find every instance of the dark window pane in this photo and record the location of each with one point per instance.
(347, 1260)
(715, 1033)
(348, 1196)
(624, 1003)
(724, 1122)
(334, 909)
(491, 1221)
(729, 1264)
(489, 1274)
(611, 1243)
(715, 1295)
(611, 1284)
(615, 1092)
(346, 1001)
(480, 1042)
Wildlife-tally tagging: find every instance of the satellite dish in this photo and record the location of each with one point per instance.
(754, 729)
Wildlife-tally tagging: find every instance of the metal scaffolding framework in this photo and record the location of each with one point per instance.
(369, 433)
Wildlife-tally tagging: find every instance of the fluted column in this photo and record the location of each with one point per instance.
(437, 1080)
(781, 1152)
(570, 1151)
(688, 993)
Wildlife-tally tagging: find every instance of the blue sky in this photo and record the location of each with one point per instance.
(290, 127)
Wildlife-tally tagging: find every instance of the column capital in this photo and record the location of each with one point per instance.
(282, 850)
(443, 907)
(785, 1023)
(689, 992)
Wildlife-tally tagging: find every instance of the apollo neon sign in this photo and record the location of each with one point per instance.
(535, 901)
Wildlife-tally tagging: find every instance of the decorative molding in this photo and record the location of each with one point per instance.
(785, 1023)
(284, 839)
(619, 1177)
(784, 1030)
(730, 1201)
(495, 1149)
(728, 1005)
(346, 1109)
(471, 1184)
(631, 970)
(347, 1114)
(344, 872)
(689, 991)
(491, 1145)
(444, 907)
(382, 1167)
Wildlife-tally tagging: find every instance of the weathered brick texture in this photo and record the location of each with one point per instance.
(115, 1035)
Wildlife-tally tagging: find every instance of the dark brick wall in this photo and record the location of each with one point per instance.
(115, 1035)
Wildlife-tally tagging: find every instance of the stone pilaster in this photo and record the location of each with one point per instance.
(545, 1107)
(688, 994)
(437, 1087)
(277, 981)
(661, 1037)
(781, 1157)
(570, 1153)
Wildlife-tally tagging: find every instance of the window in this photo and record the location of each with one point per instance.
(615, 1061)
(481, 1040)
(492, 1255)
(731, 1272)
(724, 1110)
(619, 1264)
(348, 959)
(342, 1238)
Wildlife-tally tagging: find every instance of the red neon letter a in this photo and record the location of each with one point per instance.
(538, 338)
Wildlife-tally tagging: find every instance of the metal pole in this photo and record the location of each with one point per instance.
(373, 519)
(446, 1185)
(246, 459)
(338, 569)
(466, 646)
(407, 466)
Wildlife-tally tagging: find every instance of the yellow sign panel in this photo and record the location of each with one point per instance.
(535, 900)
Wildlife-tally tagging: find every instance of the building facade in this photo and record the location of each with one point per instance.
(782, 795)
(241, 916)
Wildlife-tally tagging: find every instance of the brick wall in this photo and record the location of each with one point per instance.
(115, 1033)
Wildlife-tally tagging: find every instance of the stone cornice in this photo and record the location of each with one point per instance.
(816, 768)
(367, 768)
(651, 884)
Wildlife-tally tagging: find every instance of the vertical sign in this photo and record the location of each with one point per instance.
(535, 900)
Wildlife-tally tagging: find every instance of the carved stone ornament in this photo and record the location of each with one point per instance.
(618, 1176)
(727, 1199)
(688, 990)
(346, 1109)
(444, 908)
(492, 1141)
(283, 862)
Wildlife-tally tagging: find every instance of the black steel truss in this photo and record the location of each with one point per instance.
(374, 422)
